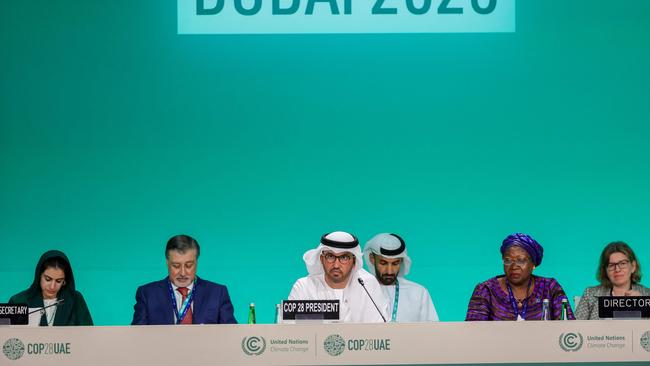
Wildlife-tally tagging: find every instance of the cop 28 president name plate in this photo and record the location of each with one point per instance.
(310, 310)
(344, 16)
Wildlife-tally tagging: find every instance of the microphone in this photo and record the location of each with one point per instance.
(57, 303)
(371, 299)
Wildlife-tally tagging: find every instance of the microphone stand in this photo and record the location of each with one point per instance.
(45, 307)
(371, 299)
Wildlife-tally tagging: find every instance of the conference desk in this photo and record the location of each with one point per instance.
(556, 342)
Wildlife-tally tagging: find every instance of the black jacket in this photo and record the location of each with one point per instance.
(73, 310)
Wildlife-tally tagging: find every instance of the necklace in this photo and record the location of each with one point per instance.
(611, 291)
(519, 315)
(521, 301)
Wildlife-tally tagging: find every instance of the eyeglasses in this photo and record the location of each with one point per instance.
(519, 261)
(331, 258)
(624, 264)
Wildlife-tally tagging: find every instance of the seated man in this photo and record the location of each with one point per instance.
(408, 302)
(182, 297)
(334, 268)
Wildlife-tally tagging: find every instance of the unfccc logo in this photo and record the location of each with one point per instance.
(253, 345)
(571, 342)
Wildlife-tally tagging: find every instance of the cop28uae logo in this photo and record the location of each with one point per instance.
(571, 342)
(253, 345)
(645, 341)
(13, 348)
(334, 345)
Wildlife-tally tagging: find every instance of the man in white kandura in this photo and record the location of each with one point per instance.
(408, 302)
(336, 272)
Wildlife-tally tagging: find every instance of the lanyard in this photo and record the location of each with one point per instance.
(185, 306)
(51, 311)
(515, 308)
(394, 317)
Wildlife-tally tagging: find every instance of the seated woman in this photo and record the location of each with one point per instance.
(53, 281)
(517, 295)
(619, 274)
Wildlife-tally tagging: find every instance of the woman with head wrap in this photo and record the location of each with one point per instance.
(54, 282)
(619, 274)
(518, 294)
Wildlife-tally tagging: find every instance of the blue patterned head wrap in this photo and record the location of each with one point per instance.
(526, 243)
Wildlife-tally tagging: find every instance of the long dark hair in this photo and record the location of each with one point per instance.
(617, 247)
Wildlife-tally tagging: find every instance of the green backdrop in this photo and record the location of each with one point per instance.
(117, 133)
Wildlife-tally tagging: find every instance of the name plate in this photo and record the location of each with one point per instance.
(14, 314)
(624, 306)
(310, 310)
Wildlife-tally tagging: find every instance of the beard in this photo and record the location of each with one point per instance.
(387, 279)
(338, 275)
(384, 278)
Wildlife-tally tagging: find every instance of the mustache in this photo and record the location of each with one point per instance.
(387, 279)
(335, 271)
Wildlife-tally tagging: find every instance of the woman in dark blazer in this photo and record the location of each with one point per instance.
(54, 282)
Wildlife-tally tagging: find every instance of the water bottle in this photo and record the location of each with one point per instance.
(251, 314)
(278, 313)
(546, 310)
(565, 310)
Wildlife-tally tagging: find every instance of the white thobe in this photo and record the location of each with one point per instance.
(355, 305)
(414, 303)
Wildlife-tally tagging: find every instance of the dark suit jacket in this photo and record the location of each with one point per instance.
(153, 305)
